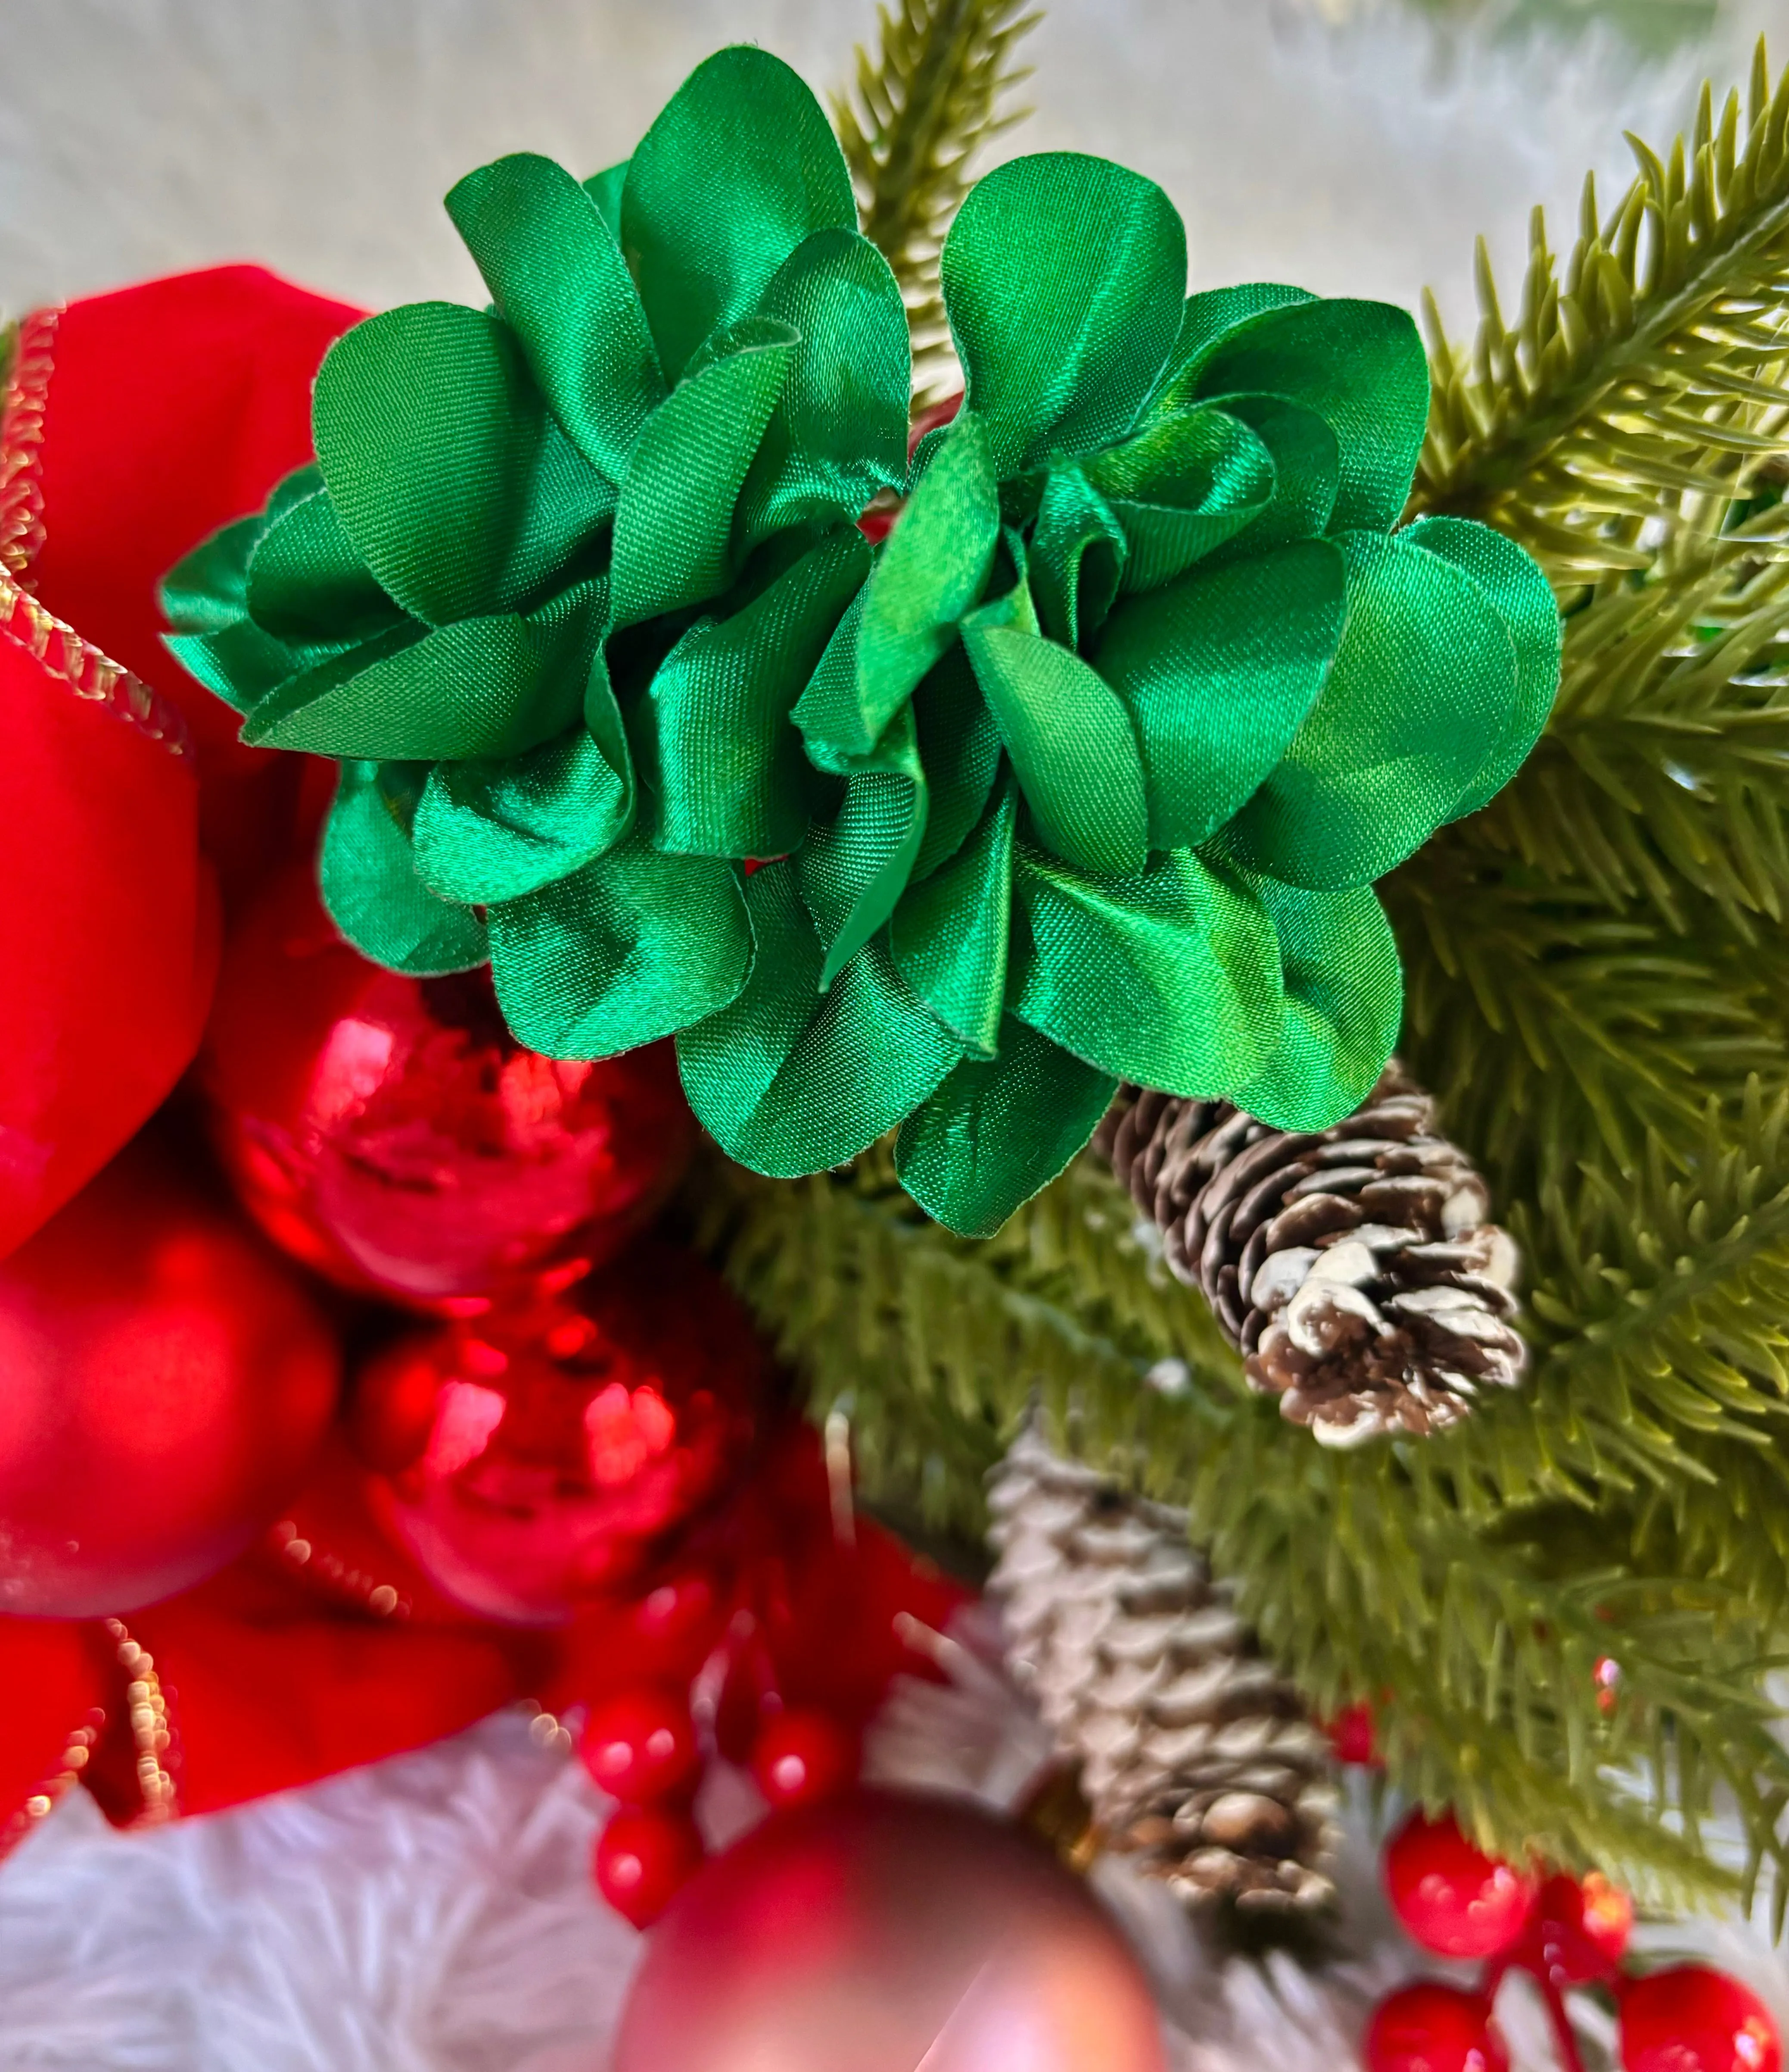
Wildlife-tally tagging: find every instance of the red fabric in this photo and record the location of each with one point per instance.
(173, 408)
(111, 934)
(49, 1690)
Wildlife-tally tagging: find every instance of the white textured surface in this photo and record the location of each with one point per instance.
(434, 1915)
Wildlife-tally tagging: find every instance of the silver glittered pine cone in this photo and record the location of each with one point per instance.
(1355, 1267)
(1193, 1754)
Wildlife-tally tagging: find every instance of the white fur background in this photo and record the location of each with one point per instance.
(434, 1915)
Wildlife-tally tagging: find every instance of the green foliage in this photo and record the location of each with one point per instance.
(926, 101)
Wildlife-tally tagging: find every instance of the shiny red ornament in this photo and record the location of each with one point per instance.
(1431, 2027)
(570, 1440)
(1452, 1897)
(167, 1383)
(640, 1746)
(1691, 2019)
(874, 1934)
(800, 1757)
(644, 1859)
(1580, 1931)
(390, 1133)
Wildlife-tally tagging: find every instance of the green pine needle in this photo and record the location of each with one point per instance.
(1648, 375)
(925, 104)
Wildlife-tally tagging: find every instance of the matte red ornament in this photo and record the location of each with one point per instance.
(1691, 2019)
(168, 1382)
(390, 1131)
(572, 1440)
(874, 1934)
(644, 1859)
(802, 1757)
(1452, 1897)
(1430, 2028)
(1580, 1931)
(640, 1746)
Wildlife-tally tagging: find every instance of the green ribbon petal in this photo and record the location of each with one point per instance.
(1072, 745)
(959, 751)
(674, 531)
(788, 1081)
(949, 935)
(1182, 490)
(1171, 978)
(486, 687)
(450, 476)
(1218, 671)
(997, 1132)
(740, 168)
(1520, 593)
(242, 664)
(1422, 689)
(1077, 556)
(1205, 320)
(1344, 1001)
(839, 432)
(1307, 472)
(556, 273)
(369, 881)
(716, 740)
(1360, 366)
(1063, 276)
(854, 867)
(306, 583)
(630, 948)
(604, 188)
(490, 831)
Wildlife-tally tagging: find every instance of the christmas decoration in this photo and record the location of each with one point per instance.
(1690, 2019)
(802, 1757)
(1355, 1267)
(882, 1933)
(167, 1385)
(390, 1131)
(640, 1746)
(1196, 1755)
(644, 1859)
(1451, 1896)
(570, 1439)
(1435, 2029)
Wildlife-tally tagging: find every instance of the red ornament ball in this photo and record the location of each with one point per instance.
(801, 1756)
(568, 1441)
(167, 1384)
(874, 1934)
(640, 1746)
(644, 1859)
(1451, 1896)
(1691, 2019)
(1435, 2029)
(390, 1131)
(1580, 1932)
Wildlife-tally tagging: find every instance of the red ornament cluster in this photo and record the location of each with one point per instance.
(1456, 1902)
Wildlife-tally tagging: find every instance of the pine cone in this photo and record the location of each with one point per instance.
(1193, 1752)
(1353, 1267)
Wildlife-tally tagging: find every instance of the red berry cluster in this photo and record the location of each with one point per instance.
(1459, 1902)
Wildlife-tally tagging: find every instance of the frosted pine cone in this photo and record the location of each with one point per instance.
(1193, 1752)
(1353, 1267)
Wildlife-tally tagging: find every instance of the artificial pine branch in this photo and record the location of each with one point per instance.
(1644, 378)
(925, 104)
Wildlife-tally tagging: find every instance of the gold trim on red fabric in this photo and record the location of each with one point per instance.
(23, 404)
(55, 1788)
(151, 1728)
(88, 672)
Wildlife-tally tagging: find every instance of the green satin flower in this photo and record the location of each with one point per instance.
(554, 548)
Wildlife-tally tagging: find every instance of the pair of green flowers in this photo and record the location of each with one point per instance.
(1086, 773)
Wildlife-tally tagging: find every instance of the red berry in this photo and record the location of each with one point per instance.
(1453, 1898)
(1692, 2020)
(800, 1757)
(1352, 1736)
(1580, 1932)
(644, 1860)
(1435, 2029)
(640, 1746)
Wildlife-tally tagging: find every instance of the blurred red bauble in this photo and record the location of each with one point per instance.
(640, 1746)
(1581, 1931)
(568, 1440)
(1435, 2029)
(802, 1757)
(874, 1935)
(644, 1859)
(1691, 2019)
(390, 1131)
(1452, 1897)
(167, 1383)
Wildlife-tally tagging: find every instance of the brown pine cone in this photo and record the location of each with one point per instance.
(1355, 1267)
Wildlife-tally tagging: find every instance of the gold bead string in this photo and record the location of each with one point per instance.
(152, 1730)
(23, 404)
(55, 1788)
